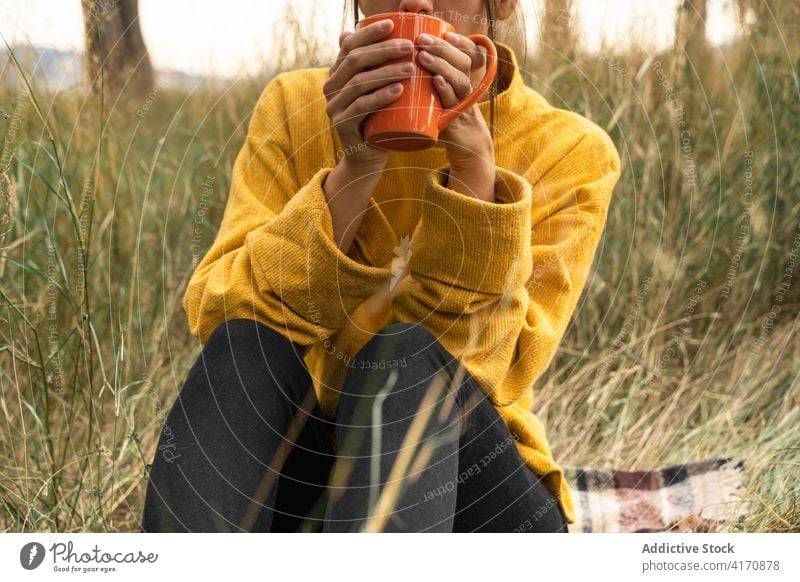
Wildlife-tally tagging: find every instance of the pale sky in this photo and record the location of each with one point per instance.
(233, 37)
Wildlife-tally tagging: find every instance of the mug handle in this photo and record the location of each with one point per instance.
(449, 115)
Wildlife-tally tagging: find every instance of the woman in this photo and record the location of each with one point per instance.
(373, 322)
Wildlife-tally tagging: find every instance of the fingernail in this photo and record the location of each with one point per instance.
(384, 24)
(425, 38)
(426, 57)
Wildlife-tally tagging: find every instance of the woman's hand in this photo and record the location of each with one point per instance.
(467, 140)
(353, 93)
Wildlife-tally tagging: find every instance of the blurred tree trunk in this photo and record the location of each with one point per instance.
(691, 44)
(115, 55)
(692, 59)
(557, 45)
(773, 24)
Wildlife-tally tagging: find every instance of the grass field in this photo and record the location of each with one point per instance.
(684, 345)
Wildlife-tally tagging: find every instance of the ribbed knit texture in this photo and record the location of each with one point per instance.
(496, 282)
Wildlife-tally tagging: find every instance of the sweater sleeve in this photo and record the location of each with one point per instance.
(496, 289)
(275, 258)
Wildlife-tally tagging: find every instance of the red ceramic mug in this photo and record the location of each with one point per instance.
(413, 121)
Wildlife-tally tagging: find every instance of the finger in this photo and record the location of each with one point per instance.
(468, 47)
(460, 82)
(367, 81)
(445, 91)
(366, 104)
(361, 58)
(442, 48)
(342, 54)
(363, 36)
(343, 36)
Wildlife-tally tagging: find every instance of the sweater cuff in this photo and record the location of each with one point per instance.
(375, 239)
(300, 260)
(470, 243)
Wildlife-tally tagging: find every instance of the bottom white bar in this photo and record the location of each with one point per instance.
(390, 557)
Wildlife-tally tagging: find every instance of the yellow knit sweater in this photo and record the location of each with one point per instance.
(496, 282)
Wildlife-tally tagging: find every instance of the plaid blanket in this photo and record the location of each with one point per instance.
(703, 496)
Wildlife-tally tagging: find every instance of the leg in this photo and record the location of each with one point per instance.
(302, 486)
(498, 492)
(474, 478)
(212, 471)
(390, 392)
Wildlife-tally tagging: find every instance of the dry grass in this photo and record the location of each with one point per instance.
(98, 205)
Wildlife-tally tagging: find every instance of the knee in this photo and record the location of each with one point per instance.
(406, 349)
(248, 352)
(399, 340)
(249, 342)
(248, 332)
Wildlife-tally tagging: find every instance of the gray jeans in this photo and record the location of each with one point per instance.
(244, 447)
